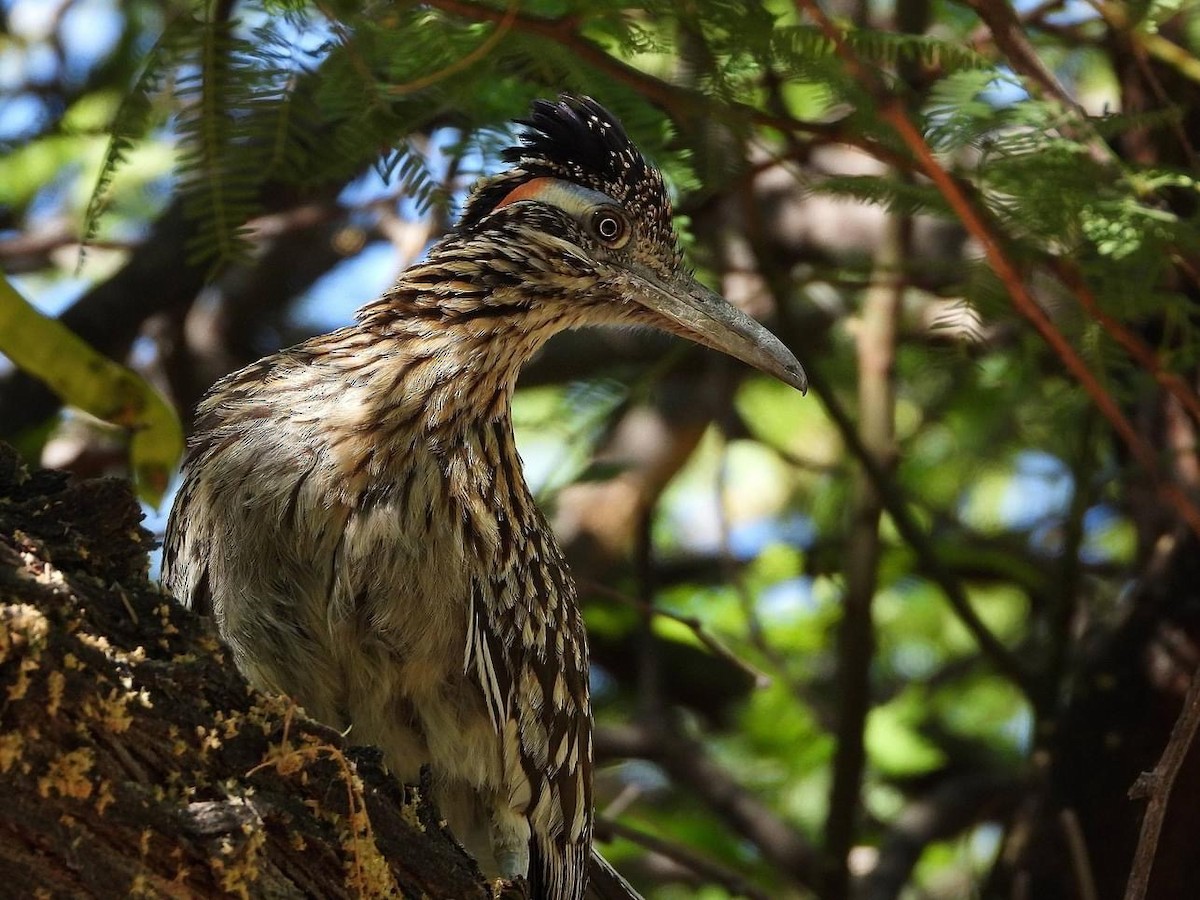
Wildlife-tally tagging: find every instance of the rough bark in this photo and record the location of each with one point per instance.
(135, 761)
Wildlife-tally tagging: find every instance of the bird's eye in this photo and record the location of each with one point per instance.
(610, 226)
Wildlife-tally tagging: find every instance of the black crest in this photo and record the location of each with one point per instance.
(577, 139)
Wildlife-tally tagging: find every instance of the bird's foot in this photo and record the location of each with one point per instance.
(510, 843)
(509, 888)
(514, 863)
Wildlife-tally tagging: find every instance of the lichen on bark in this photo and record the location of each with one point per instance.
(135, 760)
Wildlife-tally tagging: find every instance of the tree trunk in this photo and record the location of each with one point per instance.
(135, 760)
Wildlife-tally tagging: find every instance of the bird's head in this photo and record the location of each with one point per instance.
(581, 226)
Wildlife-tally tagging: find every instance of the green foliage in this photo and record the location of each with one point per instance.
(134, 117)
(90, 382)
(804, 45)
(293, 100)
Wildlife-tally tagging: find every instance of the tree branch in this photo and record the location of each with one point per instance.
(891, 110)
(683, 104)
(1157, 787)
(876, 338)
(705, 868)
(948, 809)
(686, 761)
(134, 759)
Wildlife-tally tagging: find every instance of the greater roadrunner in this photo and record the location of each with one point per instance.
(354, 516)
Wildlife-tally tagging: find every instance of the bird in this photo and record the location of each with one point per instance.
(354, 517)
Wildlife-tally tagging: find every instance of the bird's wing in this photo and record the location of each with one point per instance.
(184, 570)
(527, 651)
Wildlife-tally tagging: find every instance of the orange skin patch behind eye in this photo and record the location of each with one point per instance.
(530, 190)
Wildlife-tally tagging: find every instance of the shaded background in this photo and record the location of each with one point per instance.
(913, 635)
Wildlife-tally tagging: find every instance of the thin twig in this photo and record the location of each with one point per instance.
(705, 868)
(913, 534)
(1034, 16)
(1157, 787)
(712, 643)
(688, 763)
(1081, 864)
(1005, 25)
(1065, 605)
(732, 575)
(486, 47)
(649, 671)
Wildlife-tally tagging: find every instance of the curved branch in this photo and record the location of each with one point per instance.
(976, 222)
(682, 103)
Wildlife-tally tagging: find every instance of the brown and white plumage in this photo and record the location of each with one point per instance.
(355, 517)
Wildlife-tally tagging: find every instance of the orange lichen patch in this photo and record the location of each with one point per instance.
(209, 645)
(209, 740)
(104, 796)
(183, 871)
(135, 656)
(11, 745)
(367, 871)
(285, 759)
(268, 709)
(410, 811)
(98, 642)
(112, 711)
(19, 688)
(236, 863)
(229, 723)
(68, 775)
(163, 611)
(25, 625)
(56, 684)
(24, 633)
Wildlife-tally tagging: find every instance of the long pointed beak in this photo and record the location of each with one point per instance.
(709, 319)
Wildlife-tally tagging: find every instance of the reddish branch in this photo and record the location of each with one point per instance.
(1005, 26)
(891, 110)
(1142, 353)
(683, 104)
